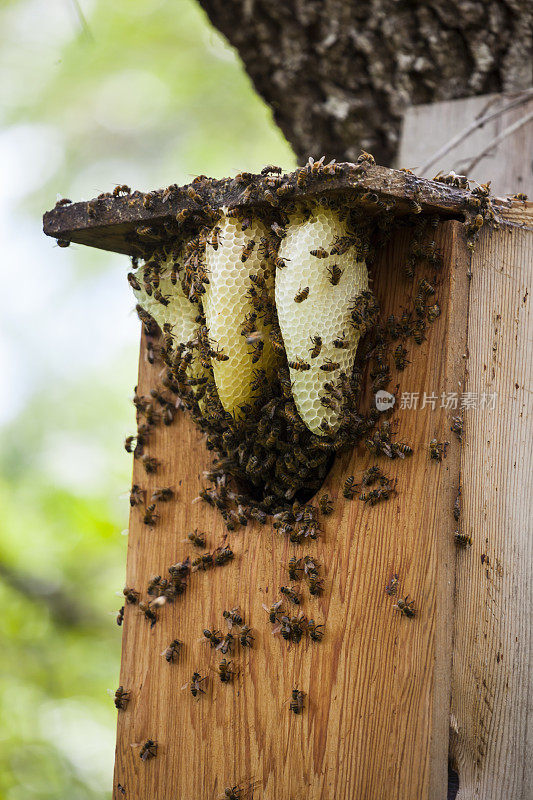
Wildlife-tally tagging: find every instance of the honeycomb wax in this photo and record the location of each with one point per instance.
(227, 302)
(333, 282)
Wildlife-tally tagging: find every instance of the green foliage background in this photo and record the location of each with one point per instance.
(93, 93)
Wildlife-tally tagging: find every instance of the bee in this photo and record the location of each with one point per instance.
(325, 504)
(246, 637)
(213, 637)
(172, 651)
(239, 792)
(226, 645)
(273, 611)
(244, 177)
(319, 253)
(198, 539)
(299, 366)
(148, 750)
(366, 158)
(371, 475)
(437, 450)
(121, 189)
(120, 616)
(247, 250)
(348, 490)
(462, 539)
(137, 495)
(279, 262)
(258, 346)
(183, 215)
(457, 427)
(133, 282)
(131, 595)
(64, 201)
(301, 179)
(222, 555)
(214, 238)
(294, 567)
(316, 585)
(233, 617)
(329, 366)
(316, 341)
(270, 168)
(520, 196)
(315, 632)
(392, 587)
(335, 273)
(279, 230)
(150, 464)
(291, 593)
(121, 698)
(121, 789)
(341, 343)
(203, 562)
(162, 495)
(297, 701)
(194, 684)
(225, 673)
(405, 607)
(148, 612)
(418, 331)
(129, 444)
(150, 518)
(301, 295)
(193, 194)
(248, 326)
(433, 312)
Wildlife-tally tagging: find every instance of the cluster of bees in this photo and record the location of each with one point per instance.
(385, 489)
(292, 627)
(403, 604)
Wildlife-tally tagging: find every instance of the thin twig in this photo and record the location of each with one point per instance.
(465, 133)
(497, 140)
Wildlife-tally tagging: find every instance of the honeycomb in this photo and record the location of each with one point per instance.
(227, 302)
(180, 312)
(325, 312)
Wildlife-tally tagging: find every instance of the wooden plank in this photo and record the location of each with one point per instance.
(509, 166)
(113, 223)
(492, 710)
(375, 723)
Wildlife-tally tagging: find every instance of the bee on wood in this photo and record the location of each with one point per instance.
(120, 616)
(163, 495)
(457, 427)
(213, 637)
(301, 295)
(319, 253)
(433, 312)
(392, 587)
(329, 366)
(401, 450)
(131, 595)
(194, 684)
(150, 517)
(137, 495)
(198, 539)
(462, 539)
(437, 450)
(316, 341)
(348, 487)
(129, 443)
(225, 673)
(222, 555)
(378, 495)
(273, 611)
(299, 366)
(297, 701)
(227, 644)
(246, 637)
(418, 331)
(325, 504)
(148, 612)
(311, 566)
(233, 617)
(121, 698)
(295, 568)
(400, 357)
(335, 273)
(172, 651)
(316, 585)
(291, 593)
(341, 343)
(371, 475)
(148, 750)
(405, 607)
(315, 632)
(150, 464)
(247, 250)
(121, 789)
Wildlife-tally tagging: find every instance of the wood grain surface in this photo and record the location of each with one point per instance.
(376, 716)
(492, 702)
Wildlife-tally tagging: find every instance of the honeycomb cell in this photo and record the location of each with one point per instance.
(179, 312)
(227, 302)
(326, 310)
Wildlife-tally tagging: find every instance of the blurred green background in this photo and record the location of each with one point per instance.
(93, 93)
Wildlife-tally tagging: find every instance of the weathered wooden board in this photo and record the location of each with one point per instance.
(492, 707)
(376, 718)
(508, 166)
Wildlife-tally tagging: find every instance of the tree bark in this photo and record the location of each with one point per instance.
(338, 74)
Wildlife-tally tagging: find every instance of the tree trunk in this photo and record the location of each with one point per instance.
(339, 74)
